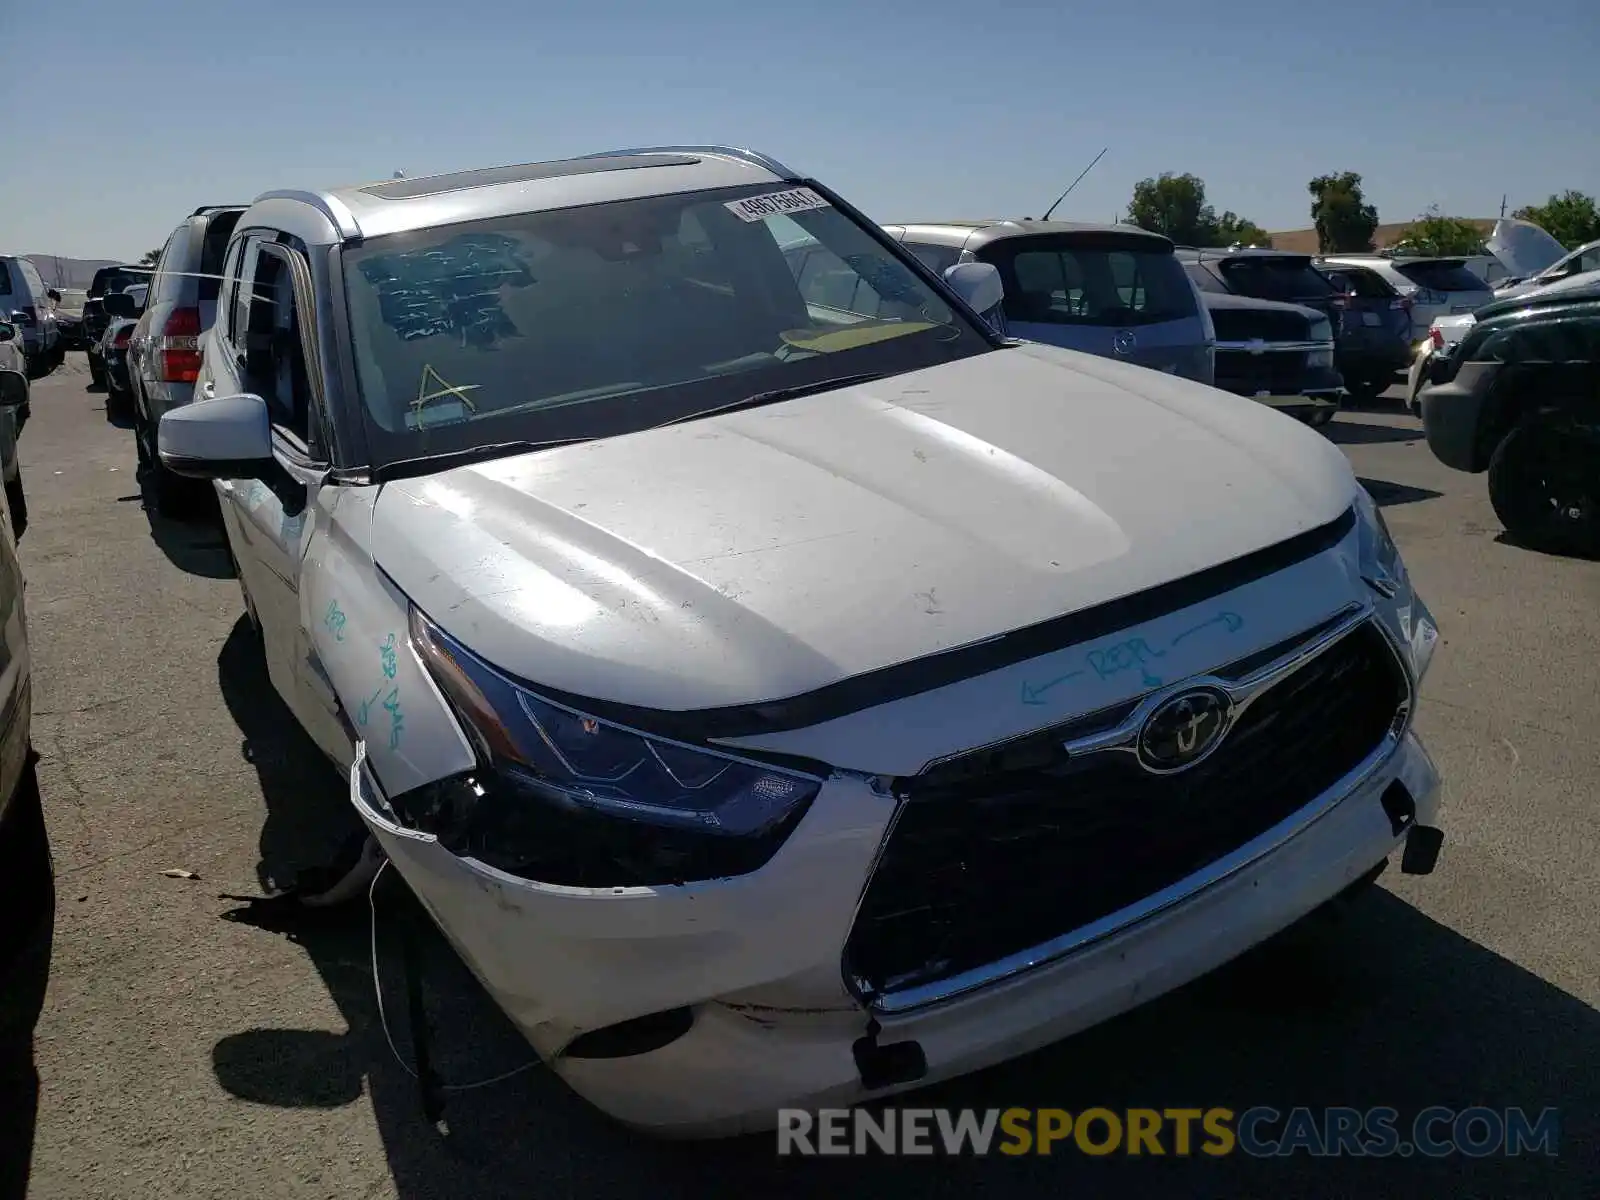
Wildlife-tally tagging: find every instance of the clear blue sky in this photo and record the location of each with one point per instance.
(130, 115)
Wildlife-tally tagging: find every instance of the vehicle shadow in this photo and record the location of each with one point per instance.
(1506, 538)
(198, 544)
(1363, 433)
(1381, 1007)
(30, 889)
(1389, 494)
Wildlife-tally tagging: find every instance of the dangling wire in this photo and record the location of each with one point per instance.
(383, 1018)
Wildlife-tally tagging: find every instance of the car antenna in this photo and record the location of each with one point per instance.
(1073, 184)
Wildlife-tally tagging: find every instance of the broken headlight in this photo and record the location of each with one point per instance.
(564, 797)
(1384, 571)
(1381, 565)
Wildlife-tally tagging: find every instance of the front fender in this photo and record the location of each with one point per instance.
(357, 623)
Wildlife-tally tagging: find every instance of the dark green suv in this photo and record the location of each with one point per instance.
(1519, 397)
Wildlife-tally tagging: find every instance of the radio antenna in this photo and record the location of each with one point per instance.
(1073, 184)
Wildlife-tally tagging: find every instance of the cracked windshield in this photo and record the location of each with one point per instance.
(668, 304)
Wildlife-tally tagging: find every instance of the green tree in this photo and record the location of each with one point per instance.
(151, 257)
(1434, 234)
(1571, 218)
(1175, 205)
(1344, 220)
(1232, 228)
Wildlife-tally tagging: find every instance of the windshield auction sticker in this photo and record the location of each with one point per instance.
(775, 204)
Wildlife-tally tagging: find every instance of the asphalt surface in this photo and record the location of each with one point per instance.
(183, 1053)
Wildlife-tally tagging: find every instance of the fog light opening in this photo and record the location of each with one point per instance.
(641, 1035)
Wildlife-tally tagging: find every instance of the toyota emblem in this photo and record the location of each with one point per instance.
(1183, 730)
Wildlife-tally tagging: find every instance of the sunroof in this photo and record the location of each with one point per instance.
(433, 185)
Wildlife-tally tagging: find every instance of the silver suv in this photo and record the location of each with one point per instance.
(1112, 290)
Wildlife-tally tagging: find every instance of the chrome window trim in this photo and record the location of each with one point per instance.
(919, 998)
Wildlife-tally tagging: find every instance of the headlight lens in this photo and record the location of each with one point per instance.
(564, 797)
(1381, 564)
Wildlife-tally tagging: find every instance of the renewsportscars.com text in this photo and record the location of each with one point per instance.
(1259, 1132)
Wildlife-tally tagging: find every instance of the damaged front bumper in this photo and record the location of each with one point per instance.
(701, 1009)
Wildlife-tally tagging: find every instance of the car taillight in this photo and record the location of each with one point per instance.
(120, 338)
(1436, 338)
(176, 353)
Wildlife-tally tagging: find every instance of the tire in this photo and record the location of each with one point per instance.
(171, 495)
(1366, 390)
(17, 502)
(142, 440)
(1544, 484)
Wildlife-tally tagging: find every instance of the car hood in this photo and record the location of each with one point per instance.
(761, 555)
(1523, 247)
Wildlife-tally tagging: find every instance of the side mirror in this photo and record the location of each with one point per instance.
(229, 437)
(120, 304)
(13, 390)
(8, 332)
(976, 283)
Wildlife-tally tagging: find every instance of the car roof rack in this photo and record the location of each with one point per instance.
(205, 208)
(754, 157)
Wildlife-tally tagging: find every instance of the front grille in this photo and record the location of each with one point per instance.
(1278, 372)
(1244, 325)
(993, 855)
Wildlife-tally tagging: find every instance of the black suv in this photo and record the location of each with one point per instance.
(95, 318)
(1268, 347)
(1519, 397)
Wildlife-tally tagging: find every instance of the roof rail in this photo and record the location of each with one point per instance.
(338, 215)
(753, 157)
(205, 208)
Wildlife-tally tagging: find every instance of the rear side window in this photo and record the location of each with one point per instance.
(169, 269)
(937, 259)
(1057, 282)
(1368, 285)
(5, 278)
(213, 250)
(1451, 276)
(1276, 278)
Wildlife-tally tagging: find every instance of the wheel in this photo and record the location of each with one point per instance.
(17, 502)
(171, 495)
(143, 442)
(1544, 484)
(1366, 390)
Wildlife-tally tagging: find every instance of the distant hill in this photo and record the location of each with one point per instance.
(1304, 241)
(62, 273)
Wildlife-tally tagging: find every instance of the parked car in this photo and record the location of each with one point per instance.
(69, 322)
(1275, 352)
(1442, 337)
(779, 703)
(25, 865)
(106, 280)
(1517, 398)
(164, 351)
(123, 310)
(1585, 258)
(14, 409)
(1374, 342)
(1436, 287)
(25, 304)
(1112, 290)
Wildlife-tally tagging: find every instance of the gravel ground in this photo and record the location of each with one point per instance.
(183, 1053)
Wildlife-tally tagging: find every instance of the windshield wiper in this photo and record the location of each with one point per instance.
(428, 464)
(794, 391)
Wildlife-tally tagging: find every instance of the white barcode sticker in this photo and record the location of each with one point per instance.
(775, 204)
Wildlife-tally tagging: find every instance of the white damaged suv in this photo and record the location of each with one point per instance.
(781, 689)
